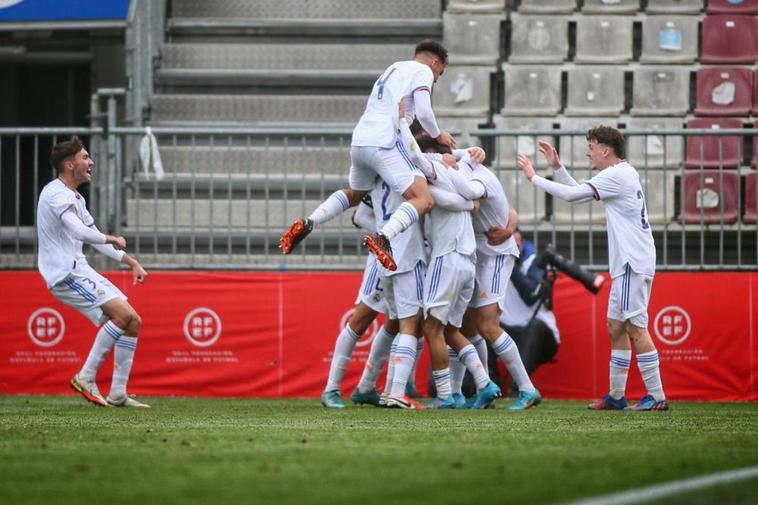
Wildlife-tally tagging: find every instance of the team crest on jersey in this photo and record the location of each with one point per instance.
(100, 292)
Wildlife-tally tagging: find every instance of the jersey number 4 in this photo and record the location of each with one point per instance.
(380, 83)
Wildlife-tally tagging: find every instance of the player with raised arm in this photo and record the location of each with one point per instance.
(63, 225)
(376, 150)
(631, 253)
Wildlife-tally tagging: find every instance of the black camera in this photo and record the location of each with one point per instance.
(550, 258)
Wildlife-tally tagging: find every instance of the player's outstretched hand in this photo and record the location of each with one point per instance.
(118, 243)
(477, 154)
(526, 166)
(446, 139)
(138, 274)
(550, 154)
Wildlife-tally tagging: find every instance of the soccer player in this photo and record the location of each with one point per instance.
(63, 224)
(376, 150)
(369, 303)
(631, 253)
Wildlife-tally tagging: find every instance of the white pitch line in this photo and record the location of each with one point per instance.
(648, 493)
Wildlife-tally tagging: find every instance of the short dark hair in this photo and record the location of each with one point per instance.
(434, 47)
(609, 136)
(62, 151)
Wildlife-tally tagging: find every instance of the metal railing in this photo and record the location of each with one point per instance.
(227, 194)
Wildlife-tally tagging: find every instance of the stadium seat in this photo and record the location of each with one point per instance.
(751, 209)
(709, 197)
(604, 39)
(507, 148)
(611, 6)
(651, 150)
(674, 7)
(547, 6)
(755, 93)
(532, 91)
(472, 39)
(476, 6)
(538, 39)
(755, 147)
(463, 91)
(595, 91)
(732, 7)
(573, 150)
(659, 189)
(713, 151)
(724, 91)
(669, 39)
(661, 91)
(729, 39)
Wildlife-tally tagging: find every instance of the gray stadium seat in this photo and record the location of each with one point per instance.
(472, 39)
(674, 6)
(476, 6)
(595, 91)
(463, 91)
(259, 110)
(538, 39)
(603, 39)
(661, 91)
(532, 91)
(658, 186)
(573, 155)
(669, 39)
(547, 6)
(507, 148)
(307, 9)
(655, 151)
(611, 6)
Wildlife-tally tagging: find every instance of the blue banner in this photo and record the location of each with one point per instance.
(62, 10)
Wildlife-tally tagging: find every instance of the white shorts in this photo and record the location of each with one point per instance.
(86, 290)
(492, 276)
(448, 288)
(392, 165)
(630, 295)
(371, 293)
(404, 292)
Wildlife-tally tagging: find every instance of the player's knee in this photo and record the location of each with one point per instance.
(136, 323)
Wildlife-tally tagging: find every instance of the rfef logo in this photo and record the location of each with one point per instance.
(672, 325)
(202, 327)
(46, 327)
(368, 335)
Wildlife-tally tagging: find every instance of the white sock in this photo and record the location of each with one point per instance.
(122, 365)
(649, 367)
(442, 382)
(481, 349)
(400, 220)
(377, 357)
(419, 350)
(619, 370)
(343, 350)
(457, 371)
(390, 369)
(404, 356)
(506, 350)
(336, 204)
(108, 335)
(470, 360)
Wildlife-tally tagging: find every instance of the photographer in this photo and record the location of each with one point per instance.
(527, 315)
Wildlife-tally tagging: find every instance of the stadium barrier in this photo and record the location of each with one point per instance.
(271, 334)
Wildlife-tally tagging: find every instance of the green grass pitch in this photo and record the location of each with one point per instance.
(61, 450)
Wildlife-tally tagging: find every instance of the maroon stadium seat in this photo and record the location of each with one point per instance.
(732, 7)
(731, 146)
(729, 39)
(724, 91)
(751, 209)
(704, 195)
(755, 93)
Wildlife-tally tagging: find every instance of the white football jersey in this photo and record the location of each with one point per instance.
(493, 209)
(450, 230)
(57, 249)
(408, 246)
(630, 238)
(379, 123)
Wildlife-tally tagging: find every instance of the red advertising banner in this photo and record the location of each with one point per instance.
(271, 335)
